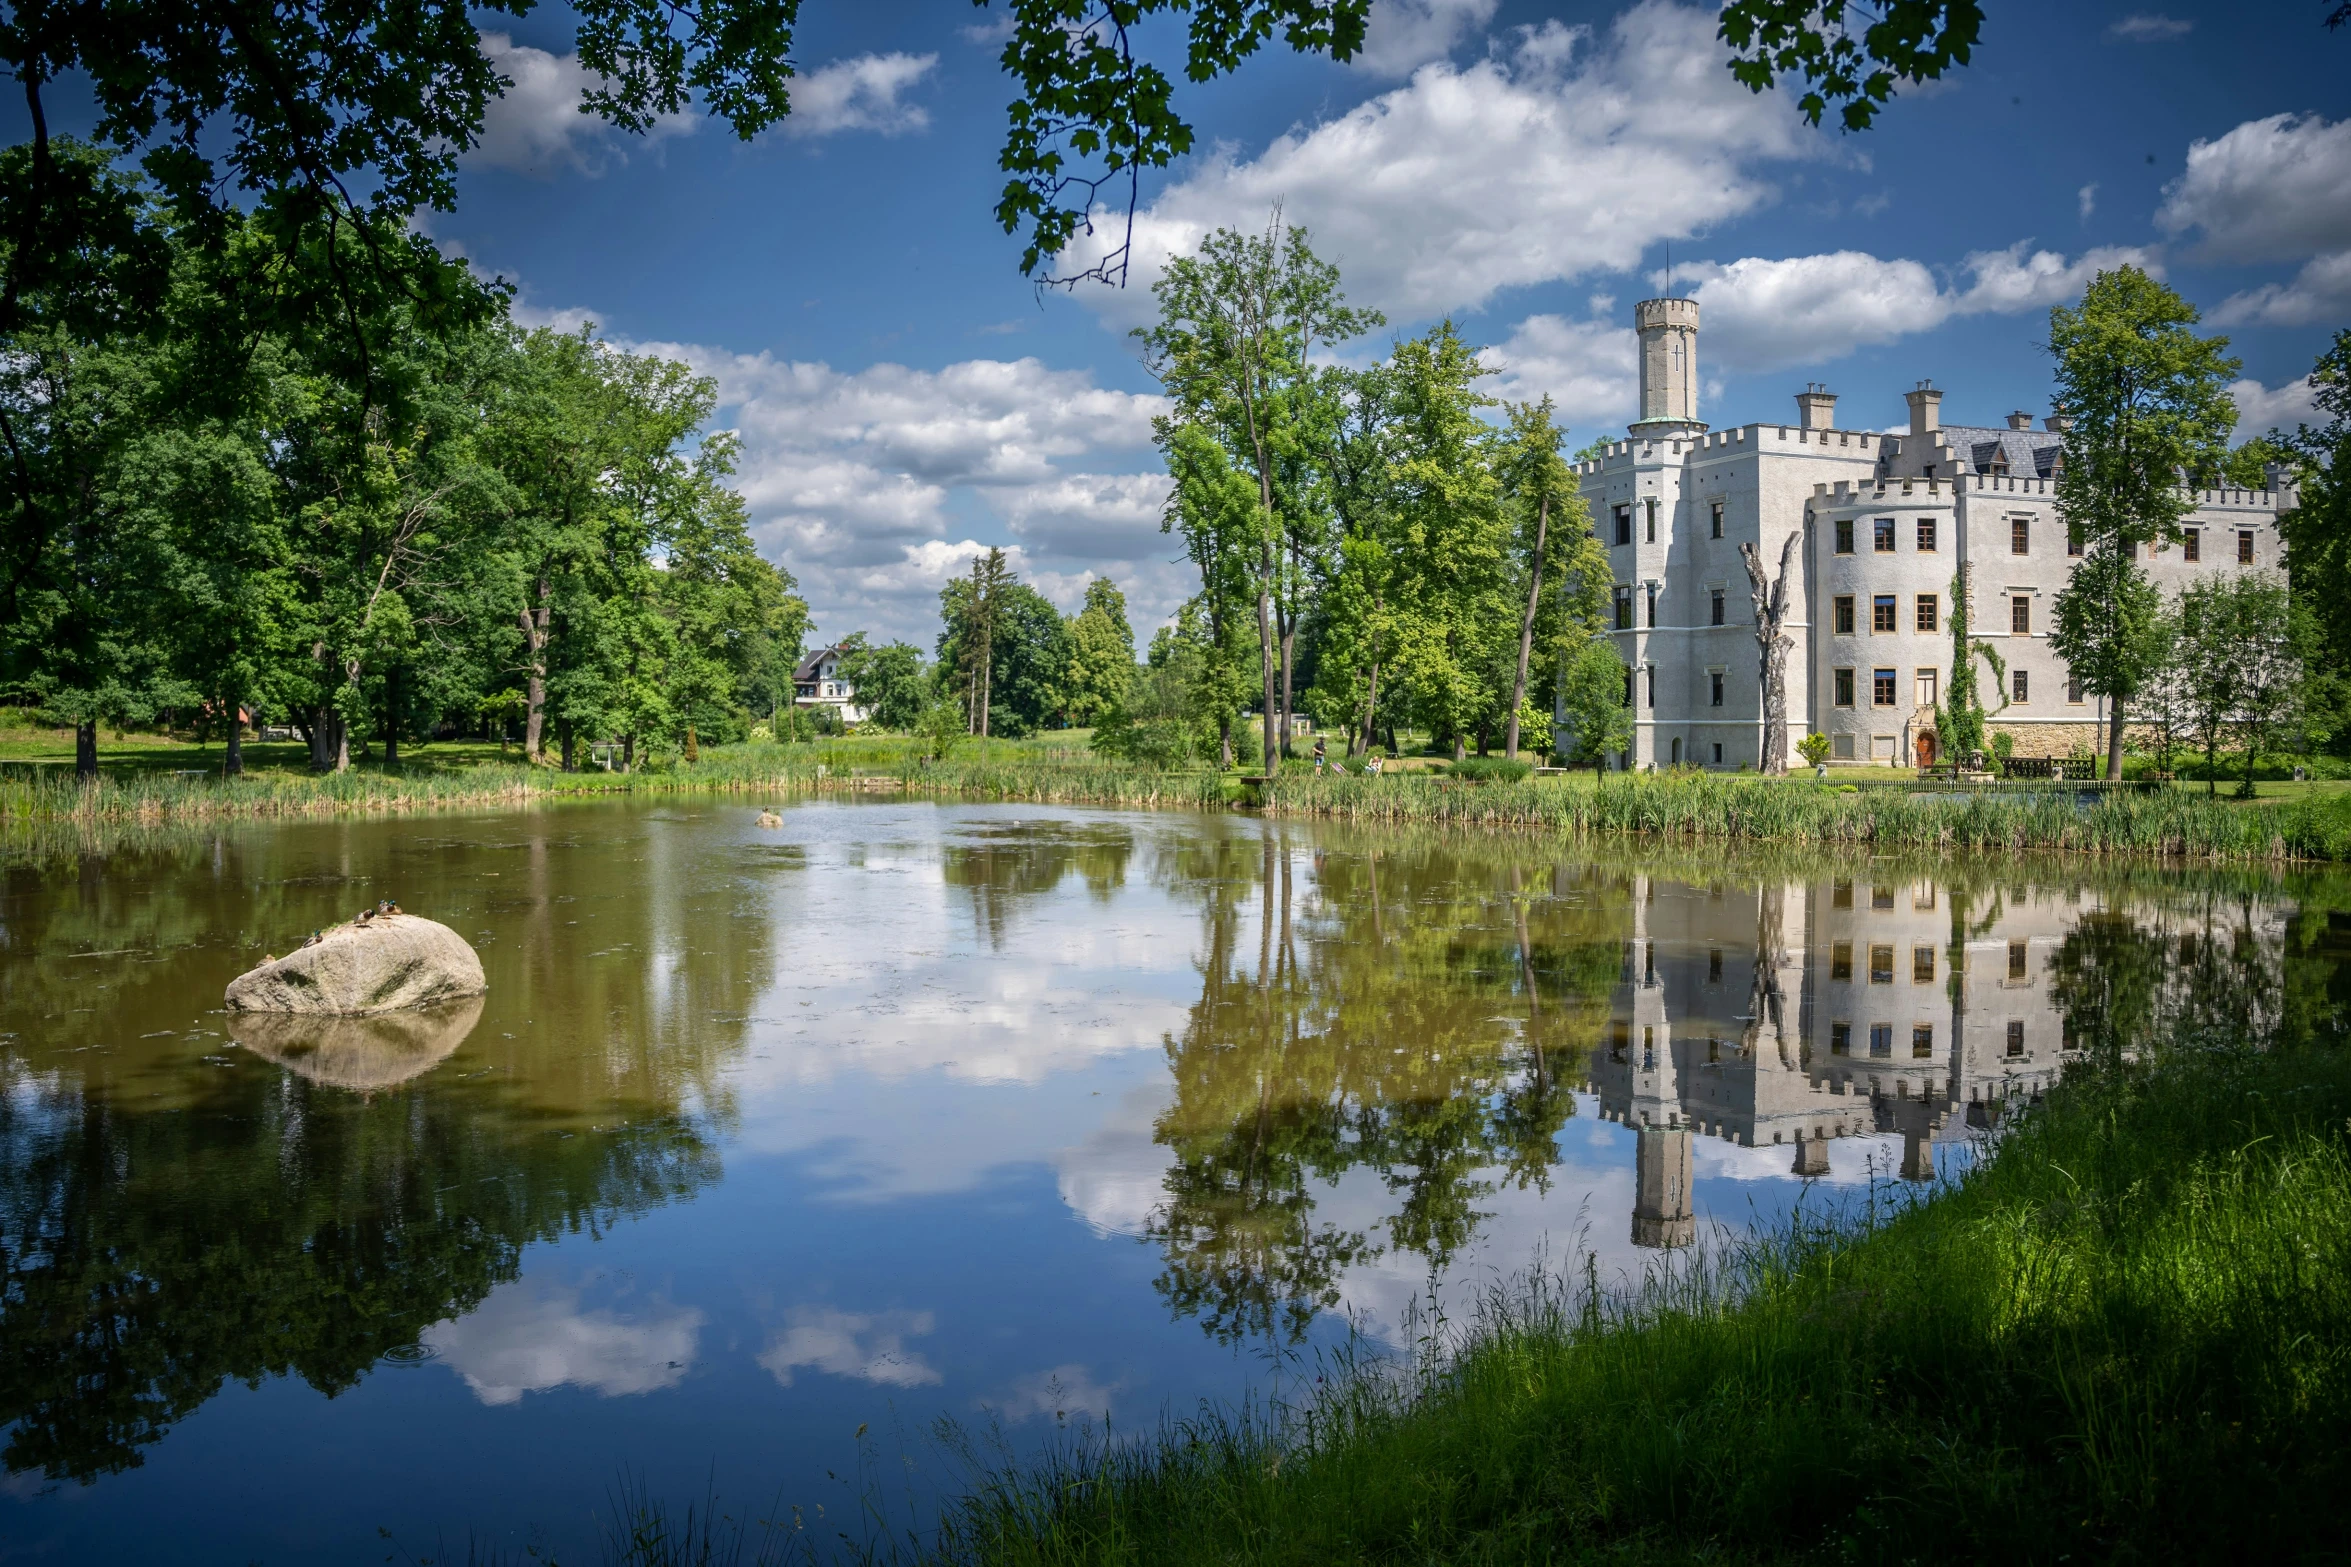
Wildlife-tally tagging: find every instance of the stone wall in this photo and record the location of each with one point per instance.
(2087, 738)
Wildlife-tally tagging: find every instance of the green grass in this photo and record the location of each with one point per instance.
(1799, 810)
(2126, 1336)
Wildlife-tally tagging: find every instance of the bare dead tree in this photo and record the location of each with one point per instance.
(1772, 643)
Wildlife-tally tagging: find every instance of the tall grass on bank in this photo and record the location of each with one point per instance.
(2124, 1337)
(51, 795)
(2165, 822)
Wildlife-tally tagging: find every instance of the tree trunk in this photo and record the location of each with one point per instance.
(1526, 629)
(232, 762)
(392, 716)
(534, 636)
(1265, 662)
(1371, 705)
(570, 761)
(2114, 739)
(85, 751)
(628, 751)
(693, 751)
(1289, 649)
(1772, 644)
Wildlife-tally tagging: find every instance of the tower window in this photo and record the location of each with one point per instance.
(2017, 956)
(1882, 612)
(2020, 614)
(1844, 535)
(1651, 594)
(1717, 606)
(2016, 1038)
(2020, 536)
(1926, 534)
(2191, 546)
(1883, 531)
(1844, 687)
(2244, 546)
(1652, 519)
(1714, 517)
(1652, 702)
(1842, 611)
(1714, 681)
(1624, 525)
(1624, 608)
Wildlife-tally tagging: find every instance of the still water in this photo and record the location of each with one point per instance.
(1007, 1114)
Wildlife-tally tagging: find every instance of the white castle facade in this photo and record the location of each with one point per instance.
(1886, 524)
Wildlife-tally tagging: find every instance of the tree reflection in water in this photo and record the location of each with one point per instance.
(1420, 1009)
(171, 1220)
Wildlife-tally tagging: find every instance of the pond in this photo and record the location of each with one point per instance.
(1023, 1117)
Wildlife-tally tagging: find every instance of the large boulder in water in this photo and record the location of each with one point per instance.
(358, 1053)
(386, 963)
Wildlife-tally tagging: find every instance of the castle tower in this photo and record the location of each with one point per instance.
(1669, 368)
(1662, 1215)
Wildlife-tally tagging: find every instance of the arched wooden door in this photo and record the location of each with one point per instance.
(1926, 749)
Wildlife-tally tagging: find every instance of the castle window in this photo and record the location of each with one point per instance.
(1624, 608)
(2073, 688)
(1925, 684)
(1844, 683)
(2191, 546)
(1926, 535)
(1840, 1039)
(1929, 612)
(1714, 682)
(1881, 687)
(1881, 1039)
(1841, 895)
(1624, 525)
(2244, 546)
(2073, 538)
(2016, 1038)
(1882, 612)
(2018, 953)
(1844, 535)
(2020, 536)
(1882, 532)
(1652, 597)
(1717, 598)
(1841, 961)
(1651, 504)
(1922, 1041)
(1628, 685)
(1842, 611)
(1922, 965)
(2019, 688)
(1881, 965)
(1881, 897)
(1652, 702)
(1714, 514)
(2020, 614)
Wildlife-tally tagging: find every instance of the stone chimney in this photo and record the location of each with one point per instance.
(1816, 407)
(2020, 420)
(1926, 412)
(2058, 423)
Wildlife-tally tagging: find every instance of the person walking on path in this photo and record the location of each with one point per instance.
(1318, 756)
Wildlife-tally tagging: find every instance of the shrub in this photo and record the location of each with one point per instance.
(1490, 769)
(1814, 748)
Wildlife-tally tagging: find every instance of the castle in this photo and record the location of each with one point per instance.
(1886, 525)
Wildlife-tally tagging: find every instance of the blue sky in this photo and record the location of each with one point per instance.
(905, 397)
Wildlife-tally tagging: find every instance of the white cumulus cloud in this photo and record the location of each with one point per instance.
(2321, 291)
(867, 93)
(2261, 409)
(536, 127)
(1549, 163)
(1405, 34)
(870, 1347)
(2149, 28)
(2275, 189)
(529, 1336)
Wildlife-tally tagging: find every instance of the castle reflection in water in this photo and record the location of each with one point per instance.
(1796, 1013)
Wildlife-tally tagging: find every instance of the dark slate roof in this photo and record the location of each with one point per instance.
(806, 670)
(2030, 454)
